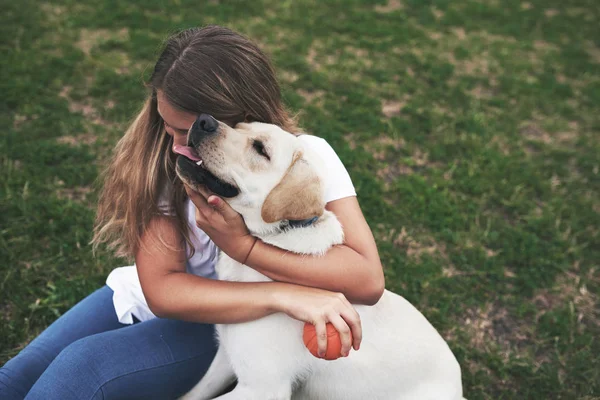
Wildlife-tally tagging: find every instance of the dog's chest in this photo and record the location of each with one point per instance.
(230, 270)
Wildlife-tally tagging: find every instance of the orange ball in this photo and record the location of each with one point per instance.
(334, 343)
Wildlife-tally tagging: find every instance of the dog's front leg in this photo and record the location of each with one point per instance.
(218, 377)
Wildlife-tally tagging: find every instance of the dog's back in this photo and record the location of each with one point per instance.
(401, 357)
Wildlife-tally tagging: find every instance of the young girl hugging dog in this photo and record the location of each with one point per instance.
(149, 332)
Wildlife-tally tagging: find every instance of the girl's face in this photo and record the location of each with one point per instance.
(177, 122)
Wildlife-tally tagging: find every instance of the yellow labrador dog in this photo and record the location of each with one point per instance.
(273, 181)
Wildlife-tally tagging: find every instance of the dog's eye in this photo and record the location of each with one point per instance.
(260, 149)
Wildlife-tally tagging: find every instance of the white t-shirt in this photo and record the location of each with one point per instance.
(128, 297)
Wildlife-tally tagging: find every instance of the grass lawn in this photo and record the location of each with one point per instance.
(470, 128)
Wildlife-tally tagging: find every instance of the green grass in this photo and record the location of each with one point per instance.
(470, 128)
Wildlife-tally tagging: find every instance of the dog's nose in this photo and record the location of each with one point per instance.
(205, 125)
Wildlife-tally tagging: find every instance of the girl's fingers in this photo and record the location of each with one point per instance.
(221, 206)
(200, 219)
(204, 191)
(200, 202)
(321, 332)
(209, 209)
(216, 204)
(352, 319)
(344, 331)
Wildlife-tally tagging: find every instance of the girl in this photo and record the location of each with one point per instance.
(149, 332)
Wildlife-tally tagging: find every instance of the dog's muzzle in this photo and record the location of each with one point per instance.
(190, 165)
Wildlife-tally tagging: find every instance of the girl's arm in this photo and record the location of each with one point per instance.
(172, 293)
(353, 268)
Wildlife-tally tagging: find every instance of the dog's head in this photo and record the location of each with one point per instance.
(263, 172)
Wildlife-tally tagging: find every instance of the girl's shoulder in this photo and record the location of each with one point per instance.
(337, 183)
(319, 146)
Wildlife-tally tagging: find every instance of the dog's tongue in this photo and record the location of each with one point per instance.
(186, 151)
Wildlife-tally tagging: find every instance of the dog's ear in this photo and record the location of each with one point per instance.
(298, 196)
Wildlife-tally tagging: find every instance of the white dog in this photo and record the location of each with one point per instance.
(270, 178)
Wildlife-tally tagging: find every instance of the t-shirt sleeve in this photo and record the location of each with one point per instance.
(337, 183)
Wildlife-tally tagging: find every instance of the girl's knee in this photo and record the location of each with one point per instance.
(19, 374)
(80, 356)
(9, 389)
(76, 371)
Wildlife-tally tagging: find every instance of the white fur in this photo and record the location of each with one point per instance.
(402, 356)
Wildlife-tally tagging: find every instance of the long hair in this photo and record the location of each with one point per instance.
(210, 70)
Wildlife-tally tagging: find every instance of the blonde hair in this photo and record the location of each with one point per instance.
(210, 70)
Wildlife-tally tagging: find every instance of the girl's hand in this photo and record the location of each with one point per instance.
(318, 307)
(222, 224)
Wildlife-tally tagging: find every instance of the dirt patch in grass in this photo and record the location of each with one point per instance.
(78, 140)
(311, 58)
(435, 35)
(437, 13)
(477, 65)
(88, 38)
(533, 131)
(396, 142)
(314, 58)
(76, 194)
(53, 12)
(391, 108)
(87, 110)
(360, 54)
(376, 147)
(482, 60)
(502, 144)
(391, 166)
(449, 271)
(593, 52)
(545, 46)
(420, 158)
(19, 119)
(310, 97)
(417, 248)
(460, 33)
(123, 62)
(389, 173)
(350, 138)
(526, 6)
(492, 327)
(391, 6)
(480, 92)
(569, 288)
(288, 76)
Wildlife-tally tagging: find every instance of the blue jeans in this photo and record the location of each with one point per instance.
(88, 354)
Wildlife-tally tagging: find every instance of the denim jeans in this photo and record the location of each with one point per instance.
(88, 354)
